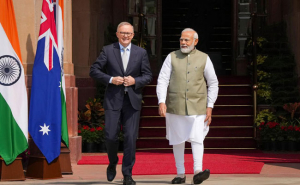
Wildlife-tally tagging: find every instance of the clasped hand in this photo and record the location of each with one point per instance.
(126, 81)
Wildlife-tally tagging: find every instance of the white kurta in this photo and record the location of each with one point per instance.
(181, 128)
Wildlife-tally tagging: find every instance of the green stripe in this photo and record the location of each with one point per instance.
(12, 140)
(64, 123)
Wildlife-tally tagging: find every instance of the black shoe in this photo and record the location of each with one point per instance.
(111, 172)
(178, 180)
(128, 181)
(201, 176)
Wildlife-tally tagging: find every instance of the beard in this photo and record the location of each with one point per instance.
(188, 49)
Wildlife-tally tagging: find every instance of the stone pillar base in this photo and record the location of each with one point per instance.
(72, 117)
(75, 148)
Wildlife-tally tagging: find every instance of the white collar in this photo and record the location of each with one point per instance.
(128, 47)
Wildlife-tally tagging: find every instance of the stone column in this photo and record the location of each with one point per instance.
(71, 89)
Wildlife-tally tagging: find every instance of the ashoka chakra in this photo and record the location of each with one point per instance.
(10, 70)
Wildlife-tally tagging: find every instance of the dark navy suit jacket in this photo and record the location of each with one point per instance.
(109, 64)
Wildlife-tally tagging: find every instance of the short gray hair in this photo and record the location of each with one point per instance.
(124, 23)
(190, 29)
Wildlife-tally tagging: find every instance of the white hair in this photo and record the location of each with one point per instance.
(124, 23)
(190, 29)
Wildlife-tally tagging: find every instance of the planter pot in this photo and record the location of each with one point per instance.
(273, 146)
(260, 145)
(83, 147)
(90, 148)
(266, 145)
(292, 146)
(298, 145)
(282, 145)
(102, 147)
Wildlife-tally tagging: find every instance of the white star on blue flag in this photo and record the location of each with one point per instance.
(45, 129)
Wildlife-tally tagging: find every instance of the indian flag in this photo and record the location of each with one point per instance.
(13, 94)
(59, 19)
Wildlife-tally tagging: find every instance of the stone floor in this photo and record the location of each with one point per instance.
(271, 174)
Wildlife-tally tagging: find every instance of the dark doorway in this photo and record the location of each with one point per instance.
(212, 21)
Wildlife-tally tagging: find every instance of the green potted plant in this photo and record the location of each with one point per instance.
(264, 131)
(264, 138)
(282, 137)
(292, 138)
(91, 125)
(292, 122)
(90, 138)
(273, 131)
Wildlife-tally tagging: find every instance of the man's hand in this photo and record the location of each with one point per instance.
(208, 115)
(117, 80)
(129, 81)
(162, 109)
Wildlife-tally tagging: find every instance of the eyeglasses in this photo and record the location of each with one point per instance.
(126, 34)
(186, 40)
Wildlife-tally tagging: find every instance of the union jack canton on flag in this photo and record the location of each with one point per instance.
(45, 102)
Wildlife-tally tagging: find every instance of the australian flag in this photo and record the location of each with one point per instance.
(45, 102)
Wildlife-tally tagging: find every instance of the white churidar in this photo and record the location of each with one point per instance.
(178, 151)
(197, 150)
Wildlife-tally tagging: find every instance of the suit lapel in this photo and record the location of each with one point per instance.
(117, 53)
(132, 56)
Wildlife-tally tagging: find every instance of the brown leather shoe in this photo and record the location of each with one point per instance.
(178, 180)
(201, 176)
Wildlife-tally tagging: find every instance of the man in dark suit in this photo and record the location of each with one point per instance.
(124, 68)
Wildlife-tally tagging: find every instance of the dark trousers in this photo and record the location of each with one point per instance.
(129, 118)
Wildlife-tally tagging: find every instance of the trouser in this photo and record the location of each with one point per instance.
(129, 118)
(197, 150)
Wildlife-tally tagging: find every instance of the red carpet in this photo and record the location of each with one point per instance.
(229, 163)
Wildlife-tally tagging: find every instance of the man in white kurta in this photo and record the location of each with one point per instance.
(189, 123)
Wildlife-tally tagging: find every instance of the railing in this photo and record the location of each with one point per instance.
(255, 86)
(254, 61)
